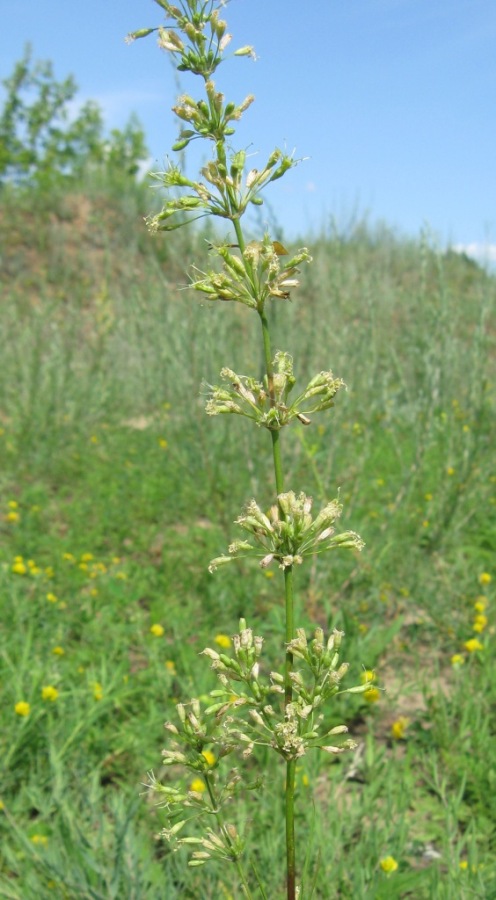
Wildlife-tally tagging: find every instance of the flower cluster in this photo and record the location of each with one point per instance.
(247, 710)
(197, 51)
(288, 533)
(254, 276)
(248, 694)
(226, 191)
(267, 402)
(480, 623)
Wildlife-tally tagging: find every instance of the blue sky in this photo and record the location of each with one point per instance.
(391, 101)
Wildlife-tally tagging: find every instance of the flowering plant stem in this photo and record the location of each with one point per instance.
(289, 599)
(281, 711)
(289, 610)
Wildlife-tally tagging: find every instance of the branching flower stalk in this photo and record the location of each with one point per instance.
(282, 711)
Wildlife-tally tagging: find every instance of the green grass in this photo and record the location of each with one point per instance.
(105, 449)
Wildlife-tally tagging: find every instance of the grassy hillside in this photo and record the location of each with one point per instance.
(117, 490)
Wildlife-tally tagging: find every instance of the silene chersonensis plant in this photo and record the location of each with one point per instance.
(254, 709)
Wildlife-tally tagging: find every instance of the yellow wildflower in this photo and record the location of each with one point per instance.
(86, 557)
(450, 471)
(52, 598)
(388, 864)
(485, 578)
(480, 604)
(209, 756)
(457, 660)
(464, 866)
(49, 693)
(367, 676)
(12, 516)
(97, 690)
(163, 443)
(12, 504)
(222, 640)
(372, 695)
(399, 727)
(58, 651)
(40, 839)
(472, 645)
(197, 785)
(170, 666)
(157, 630)
(22, 708)
(19, 568)
(480, 622)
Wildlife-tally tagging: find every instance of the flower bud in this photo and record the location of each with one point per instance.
(257, 717)
(135, 35)
(212, 654)
(266, 561)
(224, 41)
(217, 562)
(168, 40)
(180, 145)
(246, 51)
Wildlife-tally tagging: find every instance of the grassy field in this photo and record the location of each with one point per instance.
(117, 490)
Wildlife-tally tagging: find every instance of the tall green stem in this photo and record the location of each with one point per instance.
(289, 615)
(290, 830)
(276, 446)
(289, 602)
(291, 763)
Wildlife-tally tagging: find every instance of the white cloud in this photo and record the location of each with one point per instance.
(484, 253)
